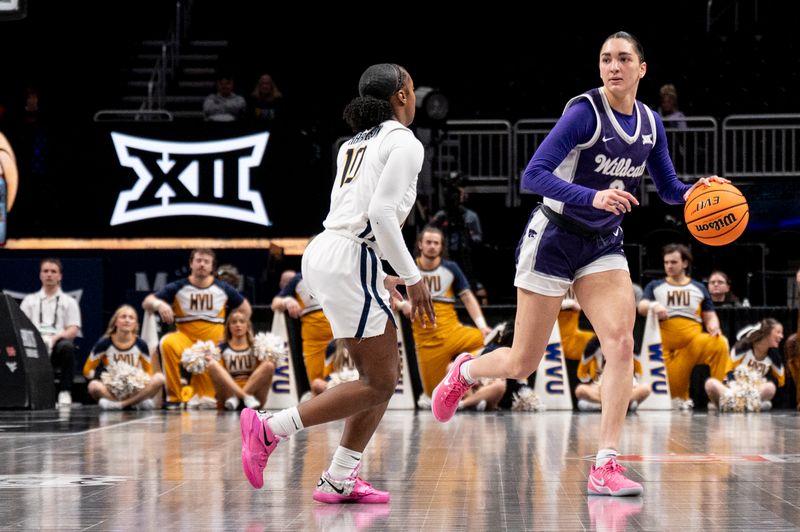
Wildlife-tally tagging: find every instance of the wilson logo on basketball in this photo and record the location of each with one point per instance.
(716, 225)
(210, 179)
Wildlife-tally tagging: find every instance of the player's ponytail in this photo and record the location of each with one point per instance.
(366, 112)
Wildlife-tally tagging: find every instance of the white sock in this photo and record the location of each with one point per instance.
(465, 372)
(603, 456)
(285, 423)
(344, 462)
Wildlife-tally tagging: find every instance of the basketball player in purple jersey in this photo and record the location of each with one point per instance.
(588, 170)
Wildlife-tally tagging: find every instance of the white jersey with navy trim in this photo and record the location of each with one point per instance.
(374, 190)
(361, 163)
(771, 364)
(446, 281)
(686, 301)
(240, 363)
(193, 303)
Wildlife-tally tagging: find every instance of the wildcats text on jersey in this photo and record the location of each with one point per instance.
(209, 179)
(618, 166)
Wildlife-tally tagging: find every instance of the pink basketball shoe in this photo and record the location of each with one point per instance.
(352, 489)
(445, 398)
(609, 480)
(258, 442)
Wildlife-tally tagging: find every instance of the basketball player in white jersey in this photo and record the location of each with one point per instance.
(374, 190)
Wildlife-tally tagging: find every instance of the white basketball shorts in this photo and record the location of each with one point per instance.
(346, 277)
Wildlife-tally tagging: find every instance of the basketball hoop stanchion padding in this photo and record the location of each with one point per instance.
(552, 385)
(26, 376)
(654, 372)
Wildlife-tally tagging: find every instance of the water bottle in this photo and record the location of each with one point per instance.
(3, 210)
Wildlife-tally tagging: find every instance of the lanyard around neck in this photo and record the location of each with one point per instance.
(55, 313)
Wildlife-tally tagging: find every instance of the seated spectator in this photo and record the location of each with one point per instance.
(121, 344)
(757, 350)
(58, 318)
(224, 105)
(719, 286)
(590, 371)
(668, 107)
(239, 376)
(266, 105)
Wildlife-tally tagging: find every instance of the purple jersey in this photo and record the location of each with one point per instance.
(582, 156)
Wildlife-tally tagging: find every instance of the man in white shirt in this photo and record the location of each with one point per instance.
(58, 318)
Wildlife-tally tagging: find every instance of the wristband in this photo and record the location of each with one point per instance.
(481, 322)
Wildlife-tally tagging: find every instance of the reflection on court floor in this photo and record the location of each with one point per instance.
(81, 468)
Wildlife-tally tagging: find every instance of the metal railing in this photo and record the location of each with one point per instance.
(480, 152)
(130, 115)
(166, 66)
(693, 145)
(528, 135)
(761, 146)
(490, 155)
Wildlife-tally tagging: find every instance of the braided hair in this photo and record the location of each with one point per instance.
(377, 85)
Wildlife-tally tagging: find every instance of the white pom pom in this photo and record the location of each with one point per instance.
(526, 400)
(124, 380)
(194, 358)
(744, 392)
(269, 346)
(345, 375)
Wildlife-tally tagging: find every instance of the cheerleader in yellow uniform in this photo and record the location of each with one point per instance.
(590, 373)
(436, 346)
(121, 344)
(197, 305)
(239, 376)
(683, 307)
(758, 350)
(297, 301)
(573, 339)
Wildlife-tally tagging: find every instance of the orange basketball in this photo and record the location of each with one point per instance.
(716, 215)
